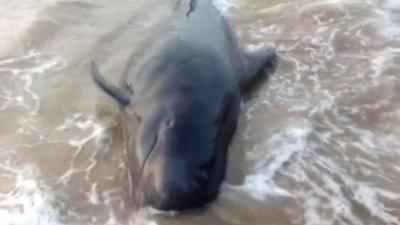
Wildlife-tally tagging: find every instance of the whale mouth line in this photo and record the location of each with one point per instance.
(143, 166)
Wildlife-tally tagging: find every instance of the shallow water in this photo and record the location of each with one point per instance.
(317, 144)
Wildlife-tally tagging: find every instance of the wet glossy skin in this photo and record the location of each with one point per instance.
(185, 128)
(184, 94)
(184, 155)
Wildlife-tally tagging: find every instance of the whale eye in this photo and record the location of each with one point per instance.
(139, 119)
(170, 122)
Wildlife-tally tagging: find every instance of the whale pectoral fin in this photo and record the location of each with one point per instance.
(121, 96)
(258, 64)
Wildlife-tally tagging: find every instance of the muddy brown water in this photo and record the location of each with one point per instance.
(318, 143)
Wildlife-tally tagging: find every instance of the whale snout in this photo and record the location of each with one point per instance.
(176, 190)
(181, 161)
(179, 195)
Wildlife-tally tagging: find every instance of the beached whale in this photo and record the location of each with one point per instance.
(184, 93)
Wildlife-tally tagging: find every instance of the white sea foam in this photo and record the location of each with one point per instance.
(78, 121)
(28, 203)
(44, 64)
(391, 18)
(225, 6)
(330, 198)
(271, 157)
(369, 197)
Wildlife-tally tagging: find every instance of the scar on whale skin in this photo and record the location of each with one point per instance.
(192, 7)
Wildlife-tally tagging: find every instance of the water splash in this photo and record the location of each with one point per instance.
(28, 203)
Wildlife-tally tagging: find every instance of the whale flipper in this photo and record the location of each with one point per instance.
(123, 97)
(257, 63)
